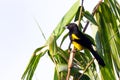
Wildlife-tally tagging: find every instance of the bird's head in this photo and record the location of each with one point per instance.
(72, 27)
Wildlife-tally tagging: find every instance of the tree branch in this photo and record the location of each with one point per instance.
(86, 68)
(94, 10)
(80, 13)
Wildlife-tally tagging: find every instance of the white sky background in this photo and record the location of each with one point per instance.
(20, 35)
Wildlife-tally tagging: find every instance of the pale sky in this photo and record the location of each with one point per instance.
(20, 35)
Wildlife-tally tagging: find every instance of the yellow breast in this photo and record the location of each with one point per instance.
(77, 46)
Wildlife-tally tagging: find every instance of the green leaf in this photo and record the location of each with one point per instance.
(116, 8)
(62, 67)
(63, 54)
(80, 59)
(67, 18)
(40, 29)
(64, 37)
(33, 67)
(28, 67)
(90, 17)
(55, 75)
(52, 46)
(78, 13)
(107, 37)
(29, 71)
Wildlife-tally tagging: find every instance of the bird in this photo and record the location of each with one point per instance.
(80, 41)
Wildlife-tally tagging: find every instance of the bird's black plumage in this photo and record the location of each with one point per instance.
(80, 41)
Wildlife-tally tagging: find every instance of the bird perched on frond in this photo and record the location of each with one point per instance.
(81, 41)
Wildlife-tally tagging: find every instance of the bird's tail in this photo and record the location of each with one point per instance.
(97, 57)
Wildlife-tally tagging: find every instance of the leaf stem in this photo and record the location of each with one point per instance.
(40, 29)
(80, 13)
(86, 68)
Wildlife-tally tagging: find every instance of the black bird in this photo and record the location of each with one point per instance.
(81, 41)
